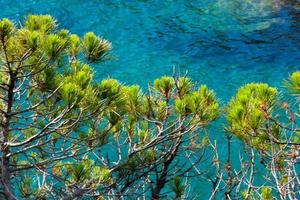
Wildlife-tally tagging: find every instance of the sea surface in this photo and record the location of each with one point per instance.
(221, 43)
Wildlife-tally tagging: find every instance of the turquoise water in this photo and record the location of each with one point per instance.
(222, 43)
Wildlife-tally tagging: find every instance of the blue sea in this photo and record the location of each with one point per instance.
(221, 43)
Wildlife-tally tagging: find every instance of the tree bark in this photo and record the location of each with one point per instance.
(5, 161)
(5, 175)
(162, 180)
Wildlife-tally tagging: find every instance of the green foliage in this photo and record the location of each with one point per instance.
(74, 45)
(160, 110)
(54, 99)
(266, 193)
(63, 33)
(248, 110)
(144, 136)
(185, 86)
(76, 83)
(149, 156)
(164, 85)
(29, 132)
(202, 104)
(15, 49)
(54, 45)
(249, 196)
(29, 39)
(134, 100)
(293, 83)
(177, 187)
(6, 28)
(86, 172)
(42, 23)
(26, 187)
(109, 89)
(2, 105)
(96, 48)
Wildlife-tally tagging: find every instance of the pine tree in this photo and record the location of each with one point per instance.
(65, 135)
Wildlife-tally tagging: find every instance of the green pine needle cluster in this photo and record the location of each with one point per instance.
(247, 112)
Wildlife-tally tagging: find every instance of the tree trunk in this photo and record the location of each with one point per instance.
(162, 180)
(160, 183)
(5, 175)
(5, 164)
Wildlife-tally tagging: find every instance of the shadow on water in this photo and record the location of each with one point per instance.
(240, 40)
